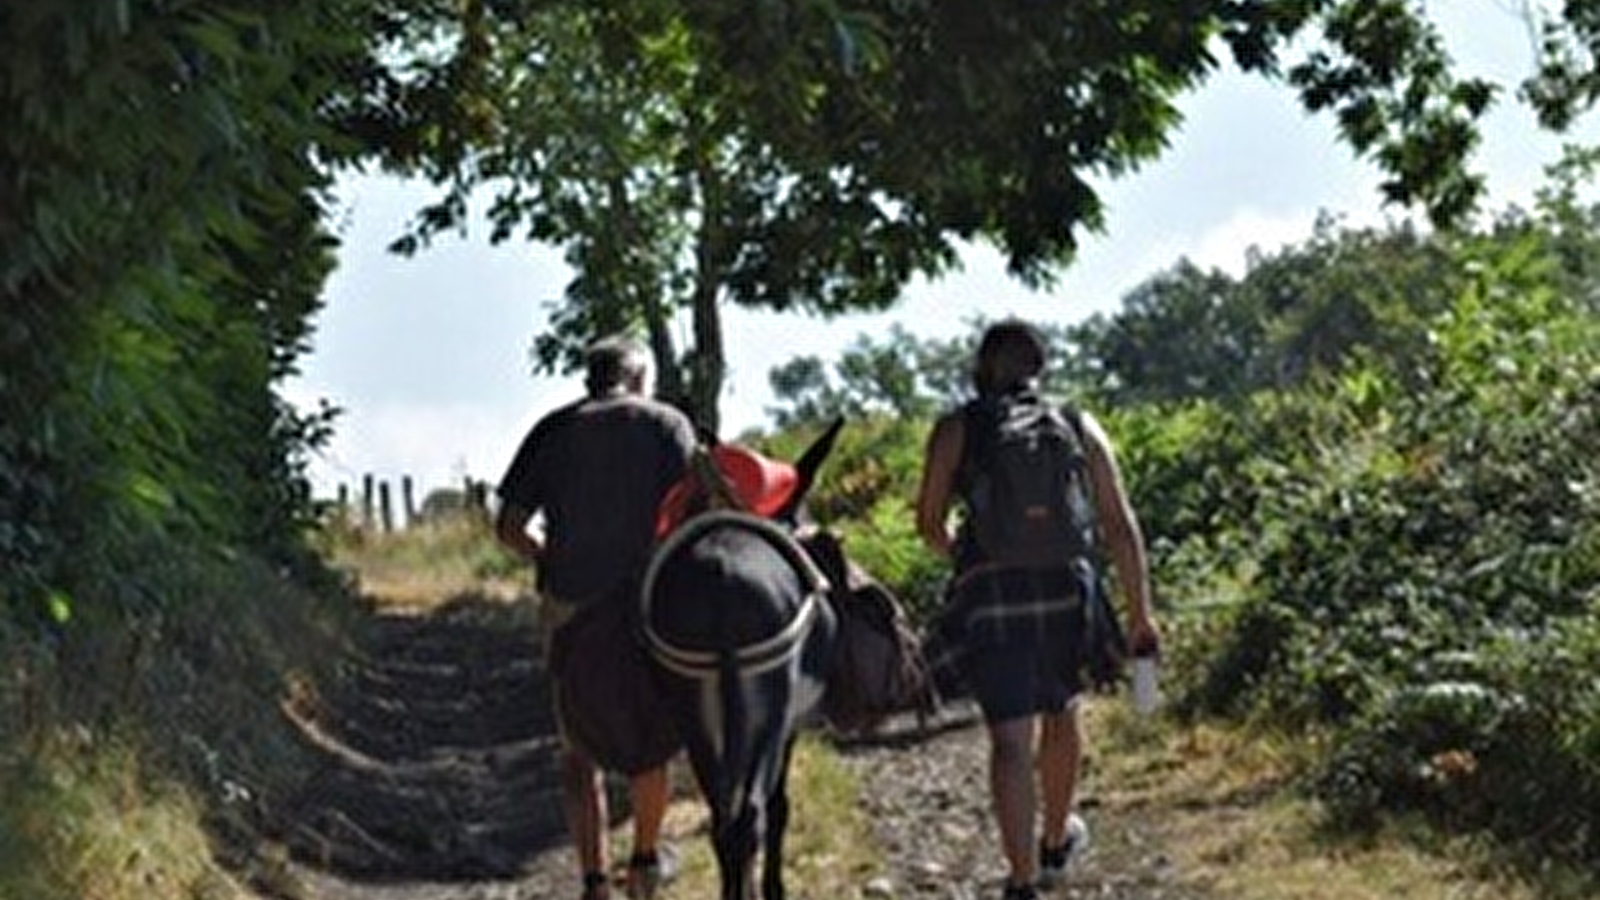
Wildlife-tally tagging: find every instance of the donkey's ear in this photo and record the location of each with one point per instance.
(811, 460)
(807, 466)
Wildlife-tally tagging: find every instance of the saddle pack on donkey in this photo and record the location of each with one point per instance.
(878, 669)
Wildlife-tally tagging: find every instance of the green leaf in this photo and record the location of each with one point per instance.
(58, 606)
(150, 492)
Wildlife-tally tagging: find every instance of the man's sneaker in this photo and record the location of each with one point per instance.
(595, 886)
(1019, 892)
(1054, 861)
(647, 872)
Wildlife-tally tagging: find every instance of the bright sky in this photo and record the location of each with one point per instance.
(428, 356)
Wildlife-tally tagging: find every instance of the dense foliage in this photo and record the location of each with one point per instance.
(1427, 567)
(162, 251)
(1393, 542)
(159, 280)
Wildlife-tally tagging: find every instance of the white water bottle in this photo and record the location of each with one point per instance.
(1146, 694)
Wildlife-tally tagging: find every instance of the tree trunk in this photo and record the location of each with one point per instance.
(707, 363)
(669, 377)
(644, 286)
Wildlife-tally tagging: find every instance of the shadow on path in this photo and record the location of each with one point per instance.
(436, 751)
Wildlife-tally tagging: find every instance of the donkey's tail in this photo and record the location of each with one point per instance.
(736, 743)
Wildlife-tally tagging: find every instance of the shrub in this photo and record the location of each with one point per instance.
(1427, 569)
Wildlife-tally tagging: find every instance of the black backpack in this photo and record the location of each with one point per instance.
(1025, 482)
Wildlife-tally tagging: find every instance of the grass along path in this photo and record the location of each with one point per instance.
(1180, 813)
(1224, 804)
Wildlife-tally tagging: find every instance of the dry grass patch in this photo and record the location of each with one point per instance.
(418, 567)
(82, 822)
(1226, 807)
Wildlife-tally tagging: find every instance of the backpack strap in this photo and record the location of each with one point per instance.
(1074, 419)
(972, 426)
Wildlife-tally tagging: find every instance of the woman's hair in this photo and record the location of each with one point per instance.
(611, 362)
(1010, 354)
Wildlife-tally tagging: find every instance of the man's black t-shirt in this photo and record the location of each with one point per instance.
(598, 469)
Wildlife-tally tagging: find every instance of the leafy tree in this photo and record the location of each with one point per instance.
(1567, 223)
(1182, 333)
(987, 117)
(814, 156)
(903, 376)
(1346, 292)
(805, 394)
(1409, 534)
(1568, 81)
(1303, 312)
(613, 140)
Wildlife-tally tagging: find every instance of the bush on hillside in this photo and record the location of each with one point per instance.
(1400, 551)
(1414, 531)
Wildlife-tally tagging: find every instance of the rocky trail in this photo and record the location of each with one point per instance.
(436, 781)
(436, 760)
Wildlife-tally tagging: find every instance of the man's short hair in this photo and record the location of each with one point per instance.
(1011, 353)
(611, 361)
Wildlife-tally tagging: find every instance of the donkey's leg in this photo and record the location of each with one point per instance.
(735, 843)
(777, 824)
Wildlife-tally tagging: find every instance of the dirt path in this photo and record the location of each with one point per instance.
(437, 783)
(436, 776)
(927, 795)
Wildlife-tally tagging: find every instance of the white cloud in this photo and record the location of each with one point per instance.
(1227, 246)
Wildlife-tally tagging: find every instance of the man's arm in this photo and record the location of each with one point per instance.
(942, 458)
(511, 527)
(1123, 537)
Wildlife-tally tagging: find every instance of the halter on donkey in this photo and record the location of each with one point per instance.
(734, 614)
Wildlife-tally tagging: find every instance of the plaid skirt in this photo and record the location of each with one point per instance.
(995, 607)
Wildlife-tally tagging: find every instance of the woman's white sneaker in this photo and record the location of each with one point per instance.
(1054, 861)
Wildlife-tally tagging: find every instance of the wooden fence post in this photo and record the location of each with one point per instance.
(408, 493)
(384, 507)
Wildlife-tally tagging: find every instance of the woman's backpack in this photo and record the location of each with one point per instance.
(1024, 481)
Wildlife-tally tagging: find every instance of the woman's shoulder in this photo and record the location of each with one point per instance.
(950, 427)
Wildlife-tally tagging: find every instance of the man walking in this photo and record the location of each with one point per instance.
(596, 470)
